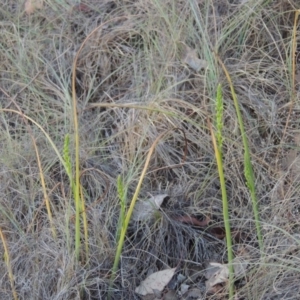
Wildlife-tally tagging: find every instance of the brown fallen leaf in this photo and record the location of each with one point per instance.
(217, 232)
(193, 221)
(82, 7)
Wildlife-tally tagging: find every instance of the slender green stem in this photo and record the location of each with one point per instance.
(78, 204)
(122, 193)
(131, 207)
(218, 144)
(248, 170)
(125, 224)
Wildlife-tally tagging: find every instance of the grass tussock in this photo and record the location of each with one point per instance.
(105, 104)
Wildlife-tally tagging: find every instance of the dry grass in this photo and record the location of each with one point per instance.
(132, 85)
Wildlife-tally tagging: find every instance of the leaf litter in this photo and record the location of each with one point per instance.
(32, 5)
(145, 209)
(190, 58)
(155, 282)
(218, 274)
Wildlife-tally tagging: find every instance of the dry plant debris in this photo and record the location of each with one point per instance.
(190, 58)
(32, 5)
(155, 282)
(217, 274)
(145, 209)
